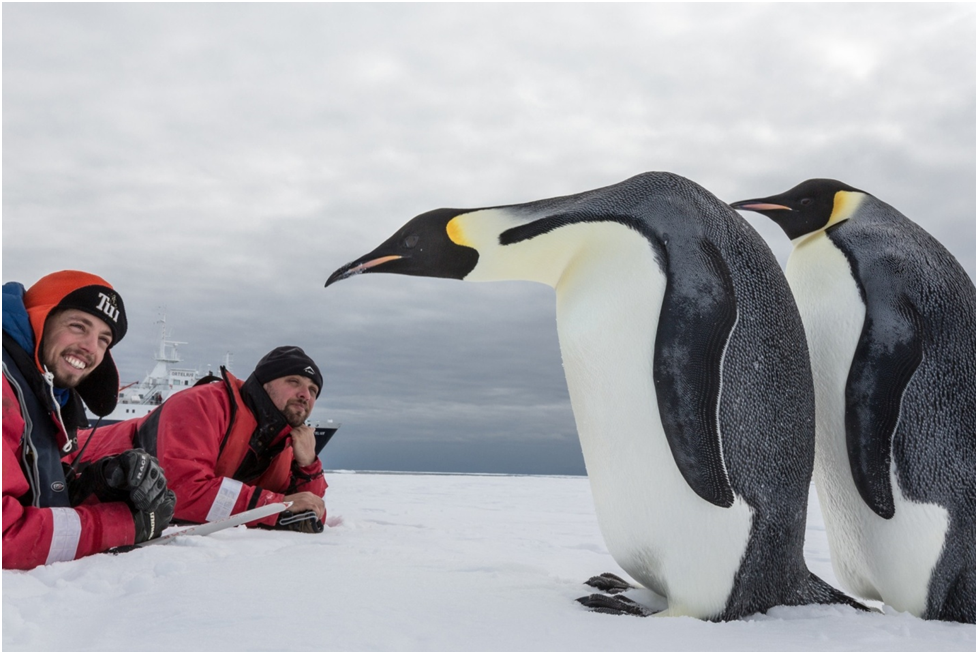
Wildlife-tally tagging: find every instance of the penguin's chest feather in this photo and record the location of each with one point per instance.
(658, 529)
(883, 559)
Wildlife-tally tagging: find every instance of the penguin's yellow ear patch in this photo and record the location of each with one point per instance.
(844, 205)
(456, 233)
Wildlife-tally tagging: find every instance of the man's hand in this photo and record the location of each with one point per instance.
(151, 523)
(306, 513)
(306, 501)
(305, 522)
(303, 445)
(134, 477)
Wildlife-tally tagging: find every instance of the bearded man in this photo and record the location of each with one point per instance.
(228, 446)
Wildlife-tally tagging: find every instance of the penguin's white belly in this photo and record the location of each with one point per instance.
(889, 560)
(659, 531)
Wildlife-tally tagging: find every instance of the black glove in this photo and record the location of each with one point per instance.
(134, 477)
(150, 524)
(306, 522)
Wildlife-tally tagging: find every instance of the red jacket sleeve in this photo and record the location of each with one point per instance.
(37, 536)
(310, 478)
(106, 440)
(189, 435)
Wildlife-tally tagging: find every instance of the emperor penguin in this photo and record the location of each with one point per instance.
(692, 399)
(890, 320)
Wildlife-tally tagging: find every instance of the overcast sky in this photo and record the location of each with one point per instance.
(222, 160)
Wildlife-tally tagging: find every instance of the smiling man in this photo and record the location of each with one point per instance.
(56, 340)
(228, 446)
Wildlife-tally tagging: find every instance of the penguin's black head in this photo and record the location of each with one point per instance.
(421, 247)
(802, 210)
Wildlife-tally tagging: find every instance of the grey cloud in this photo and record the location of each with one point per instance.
(223, 159)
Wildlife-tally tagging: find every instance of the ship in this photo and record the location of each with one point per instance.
(167, 378)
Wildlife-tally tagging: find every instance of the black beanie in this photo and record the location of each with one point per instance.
(288, 360)
(100, 302)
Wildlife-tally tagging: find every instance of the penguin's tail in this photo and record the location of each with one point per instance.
(819, 592)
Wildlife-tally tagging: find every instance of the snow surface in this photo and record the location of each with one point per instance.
(416, 562)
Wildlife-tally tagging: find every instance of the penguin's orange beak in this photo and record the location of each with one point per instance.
(356, 268)
(758, 206)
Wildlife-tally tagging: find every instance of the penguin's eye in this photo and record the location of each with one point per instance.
(805, 202)
(410, 241)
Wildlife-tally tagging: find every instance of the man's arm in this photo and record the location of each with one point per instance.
(303, 485)
(106, 440)
(307, 471)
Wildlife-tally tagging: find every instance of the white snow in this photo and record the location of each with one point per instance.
(417, 562)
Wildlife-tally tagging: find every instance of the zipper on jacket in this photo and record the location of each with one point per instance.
(69, 444)
(29, 452)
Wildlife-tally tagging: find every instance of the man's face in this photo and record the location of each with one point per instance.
(73, 345)
(294, 396)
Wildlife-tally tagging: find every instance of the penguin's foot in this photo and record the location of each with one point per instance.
(614, 605)
(609, 583)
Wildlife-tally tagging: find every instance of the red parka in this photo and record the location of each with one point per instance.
(203, 438)
(39, 524)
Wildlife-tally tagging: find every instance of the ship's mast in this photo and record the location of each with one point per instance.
(168, 349)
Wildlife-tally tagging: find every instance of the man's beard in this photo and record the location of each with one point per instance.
(295, 414)
(73, 378)
(72, 382)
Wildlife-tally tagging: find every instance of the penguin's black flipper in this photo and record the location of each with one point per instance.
(699, 310)
(889, 350)
(614, 605)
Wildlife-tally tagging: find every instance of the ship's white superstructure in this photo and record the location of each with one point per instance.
(166, 378)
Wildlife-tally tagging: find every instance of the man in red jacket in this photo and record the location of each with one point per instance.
(56, 340)
(229, 446)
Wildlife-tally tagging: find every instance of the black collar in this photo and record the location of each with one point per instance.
(270, 420)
